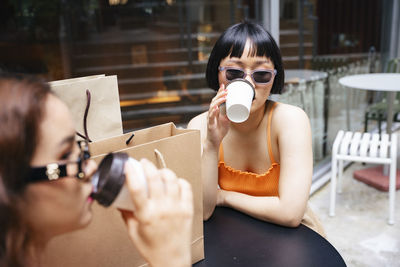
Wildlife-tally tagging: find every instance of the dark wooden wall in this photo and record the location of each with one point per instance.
(348, 26)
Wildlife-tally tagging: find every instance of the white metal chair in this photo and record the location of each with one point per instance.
(368, 148)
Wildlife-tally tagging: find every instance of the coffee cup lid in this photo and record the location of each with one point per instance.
(111, 178)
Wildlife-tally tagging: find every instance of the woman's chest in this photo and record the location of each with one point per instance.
(251, 155)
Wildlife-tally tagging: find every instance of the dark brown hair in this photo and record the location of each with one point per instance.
(22, 102)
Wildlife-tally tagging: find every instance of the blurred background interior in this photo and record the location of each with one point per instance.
(159, 51)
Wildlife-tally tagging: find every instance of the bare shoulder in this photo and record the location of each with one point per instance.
(289, 116)
(199, 123)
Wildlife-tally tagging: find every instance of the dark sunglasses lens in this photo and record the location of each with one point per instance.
(232, 74)
(86, 155)
(262, 76)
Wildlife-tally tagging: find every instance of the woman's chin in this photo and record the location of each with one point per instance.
(79, 224)
(89, 214)
(86, 220)
(86, 216)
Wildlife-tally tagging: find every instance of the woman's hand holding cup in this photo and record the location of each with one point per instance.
(218, 123)
(161, 225)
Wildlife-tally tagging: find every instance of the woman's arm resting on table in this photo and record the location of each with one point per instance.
(295, 150)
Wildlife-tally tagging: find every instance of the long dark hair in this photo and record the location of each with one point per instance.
(22, 102)
(232, 43)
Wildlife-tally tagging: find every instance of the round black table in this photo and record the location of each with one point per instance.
(232, 238)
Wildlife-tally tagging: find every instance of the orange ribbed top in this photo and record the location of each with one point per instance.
(250, 183)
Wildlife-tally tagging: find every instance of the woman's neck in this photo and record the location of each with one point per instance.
(252, 123)
(34, 255)
(36, 251)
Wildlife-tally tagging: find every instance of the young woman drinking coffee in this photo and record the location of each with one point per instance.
(262, 166)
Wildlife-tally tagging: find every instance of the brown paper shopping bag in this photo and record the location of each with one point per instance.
(105, 241)
(77, 79)
(97, 95)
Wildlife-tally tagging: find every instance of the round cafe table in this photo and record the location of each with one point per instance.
(386, 82)
(232, 238)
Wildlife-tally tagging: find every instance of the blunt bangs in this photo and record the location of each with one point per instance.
(232, 43)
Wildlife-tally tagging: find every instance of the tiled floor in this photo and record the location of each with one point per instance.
(359, 231)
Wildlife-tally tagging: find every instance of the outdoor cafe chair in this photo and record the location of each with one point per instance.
(368, 148)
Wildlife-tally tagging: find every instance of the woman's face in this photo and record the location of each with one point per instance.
(63, 205)
(250, 64)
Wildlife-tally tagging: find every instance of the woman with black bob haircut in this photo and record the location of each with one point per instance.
(232, 43)
(262, 166)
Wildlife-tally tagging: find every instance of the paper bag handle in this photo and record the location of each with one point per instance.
(86, 136)
(160, 158)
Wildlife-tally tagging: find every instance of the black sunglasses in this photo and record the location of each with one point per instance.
(54, 171)
(260, 76)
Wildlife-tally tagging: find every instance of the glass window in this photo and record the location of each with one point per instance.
(159, 51)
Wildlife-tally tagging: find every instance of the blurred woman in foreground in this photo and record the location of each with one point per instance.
(45, 189)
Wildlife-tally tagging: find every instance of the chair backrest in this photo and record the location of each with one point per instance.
(393, 66)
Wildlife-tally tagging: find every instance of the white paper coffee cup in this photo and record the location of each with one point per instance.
(238, 100)
(124, 200)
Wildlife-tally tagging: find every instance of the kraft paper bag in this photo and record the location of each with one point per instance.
(103, 118)
(105, 242)
(77, 79)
